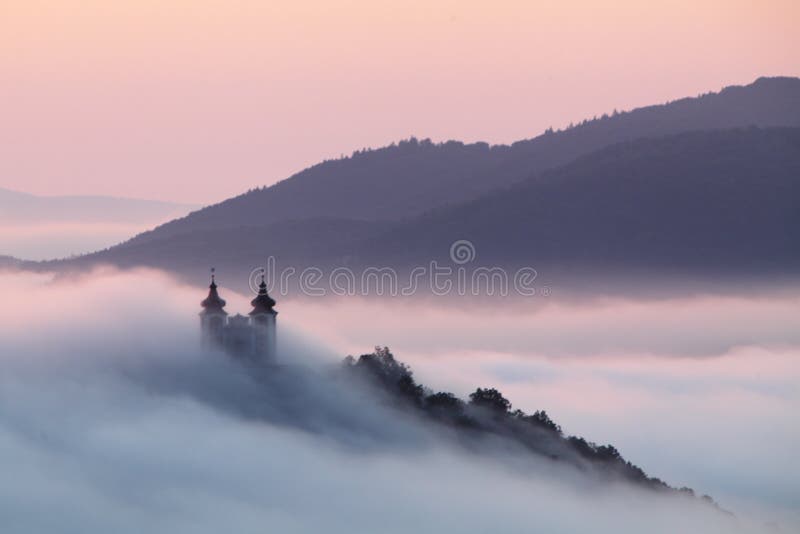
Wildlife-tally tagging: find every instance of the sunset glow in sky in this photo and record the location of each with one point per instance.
(197, 100)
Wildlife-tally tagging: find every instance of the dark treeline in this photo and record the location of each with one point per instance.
(488, 413)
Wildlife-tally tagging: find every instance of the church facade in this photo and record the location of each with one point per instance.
(250, 337)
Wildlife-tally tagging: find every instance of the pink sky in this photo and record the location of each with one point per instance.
(195, 101)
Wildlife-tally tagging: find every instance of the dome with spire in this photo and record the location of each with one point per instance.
(249, 338)
(213, 303)
(263, 303)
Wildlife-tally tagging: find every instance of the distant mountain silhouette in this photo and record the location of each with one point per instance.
(723, 201)
(320, 241)
(20, 208)
(664, 187)
(39, 227)
(698, 202)
(408, 179)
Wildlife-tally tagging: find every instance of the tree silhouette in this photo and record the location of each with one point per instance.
(444, 405)
(539, 419)
(491, 399)
(395, 377)
(489, 413)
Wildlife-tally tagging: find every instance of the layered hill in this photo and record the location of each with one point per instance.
(43, 227)
(700, 184)
(717, 201)
(699, 202)
(18, 208)
(408, 179)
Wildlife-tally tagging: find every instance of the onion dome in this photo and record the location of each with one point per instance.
(263, 303)
(213, 303)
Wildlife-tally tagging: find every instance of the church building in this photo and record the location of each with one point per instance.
(251, 337)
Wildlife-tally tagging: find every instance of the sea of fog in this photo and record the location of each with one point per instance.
(112, 419)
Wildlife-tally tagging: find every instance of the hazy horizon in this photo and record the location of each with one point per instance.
(34, 227)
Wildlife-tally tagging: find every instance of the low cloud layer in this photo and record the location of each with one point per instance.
(112, 419)
(695, 326)
(699, 390)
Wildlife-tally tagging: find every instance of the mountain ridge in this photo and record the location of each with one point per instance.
(241, 232)
(406, 179)
(705, 203)
(22, 206)
(736, 191)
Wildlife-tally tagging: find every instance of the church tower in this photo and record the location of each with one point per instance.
(263, 319)
(250, 339)
(212, 318)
